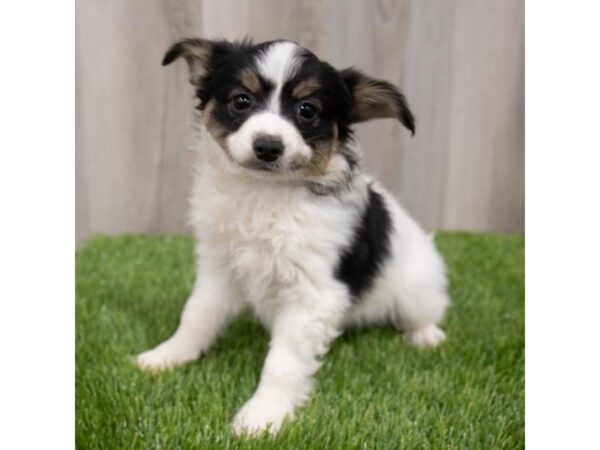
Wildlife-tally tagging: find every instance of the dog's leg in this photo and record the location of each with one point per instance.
(301, 334)
(421, 299)
(213, 302)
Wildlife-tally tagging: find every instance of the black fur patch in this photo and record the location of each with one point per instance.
(333, 98)
(362, 261)
(222, 82)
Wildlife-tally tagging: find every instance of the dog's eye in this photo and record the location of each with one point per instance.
(241, 102)
(307, 111)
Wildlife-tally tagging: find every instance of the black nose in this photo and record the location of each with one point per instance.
(268, 148)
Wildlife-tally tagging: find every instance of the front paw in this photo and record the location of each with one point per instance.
(167, 355)
(262, 413)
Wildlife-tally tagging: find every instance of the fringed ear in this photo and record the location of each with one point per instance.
(375, 99)
(198, 54)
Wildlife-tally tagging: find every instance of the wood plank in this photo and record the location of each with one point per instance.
(459, 62)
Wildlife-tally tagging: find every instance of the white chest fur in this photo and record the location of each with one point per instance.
(271, 237)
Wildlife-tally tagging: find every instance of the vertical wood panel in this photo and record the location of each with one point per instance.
(382, 55)
(485, 145)
(133, 117)
(428, 78)
(459, 62)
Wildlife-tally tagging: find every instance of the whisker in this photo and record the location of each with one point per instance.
(315, 138)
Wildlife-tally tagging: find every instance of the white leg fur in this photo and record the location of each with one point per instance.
(211, 305)
(301, 335)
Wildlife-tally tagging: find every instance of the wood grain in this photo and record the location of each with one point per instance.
(459, 62)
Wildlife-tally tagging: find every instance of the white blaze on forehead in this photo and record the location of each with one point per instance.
(278, 64)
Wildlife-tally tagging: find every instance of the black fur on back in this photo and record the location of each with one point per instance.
(361, 262)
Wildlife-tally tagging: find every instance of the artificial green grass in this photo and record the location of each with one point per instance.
(373, 390)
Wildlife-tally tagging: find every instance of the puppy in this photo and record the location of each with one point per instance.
(288, 225)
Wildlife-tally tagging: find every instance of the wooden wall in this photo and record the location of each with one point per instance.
(460, 64)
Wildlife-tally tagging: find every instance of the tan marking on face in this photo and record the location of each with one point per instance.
(306, 88)
(250, 81)
(216, 131)
(318, 163)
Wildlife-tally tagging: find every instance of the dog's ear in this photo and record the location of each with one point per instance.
(375, 99)
(198, 53)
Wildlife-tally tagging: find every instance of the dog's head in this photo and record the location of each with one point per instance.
(275, 108)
